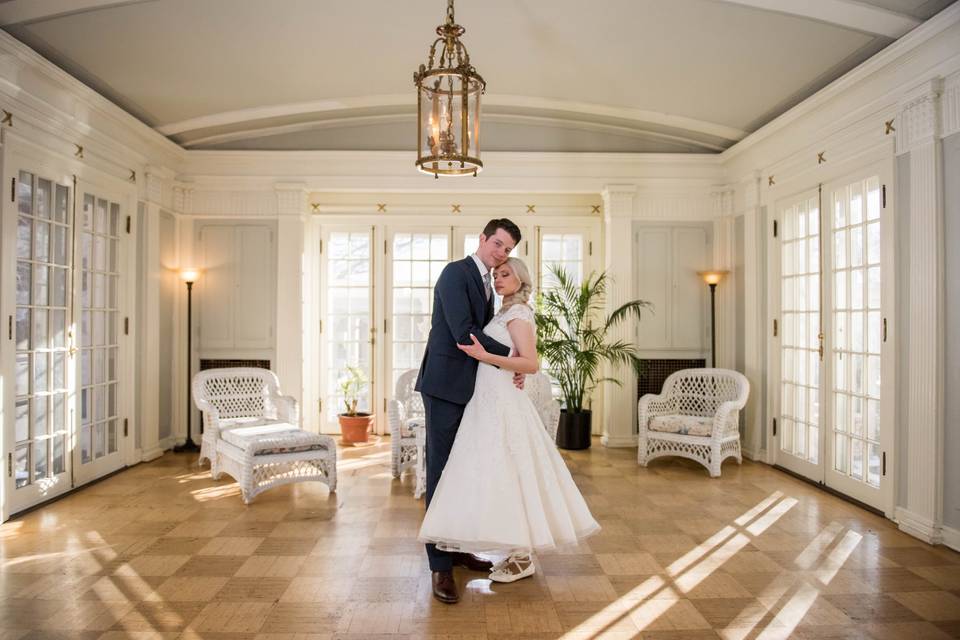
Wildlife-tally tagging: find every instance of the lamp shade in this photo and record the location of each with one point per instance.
(713, 276)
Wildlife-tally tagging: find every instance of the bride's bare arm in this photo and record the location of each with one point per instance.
(523, 360)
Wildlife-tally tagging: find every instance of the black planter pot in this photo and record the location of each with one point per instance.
(574, 430)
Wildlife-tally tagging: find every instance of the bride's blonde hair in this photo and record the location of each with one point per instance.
(522, 295)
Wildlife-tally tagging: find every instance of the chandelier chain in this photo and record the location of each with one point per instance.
(450, 17)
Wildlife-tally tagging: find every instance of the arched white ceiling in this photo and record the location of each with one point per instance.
(565, 75)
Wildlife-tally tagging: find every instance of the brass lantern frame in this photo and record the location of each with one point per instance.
(449, 157)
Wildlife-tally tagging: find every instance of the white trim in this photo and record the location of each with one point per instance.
(918, 526)
(843, 13)
(619, 441)
(147, 455)
(385, 104)
(951, 537)
(950, 106)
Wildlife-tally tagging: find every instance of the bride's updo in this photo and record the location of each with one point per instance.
(522, 296)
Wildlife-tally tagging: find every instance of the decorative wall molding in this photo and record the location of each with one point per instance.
(689, 205)
(922, 499)
(465, 210)
(918, 526)
(291, 199)
(950, 106)
(182, 198)
(154, 185)
(722, 202)
(234, 204)
(919, 118)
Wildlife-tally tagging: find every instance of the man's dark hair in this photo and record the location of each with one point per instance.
(506, 225)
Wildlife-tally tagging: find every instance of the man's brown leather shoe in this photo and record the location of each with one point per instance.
(471, 562)
(444, 587)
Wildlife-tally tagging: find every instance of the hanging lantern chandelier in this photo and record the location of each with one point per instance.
(448, 106)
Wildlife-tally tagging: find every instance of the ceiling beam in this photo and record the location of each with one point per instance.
(26, 11)
(844, 13)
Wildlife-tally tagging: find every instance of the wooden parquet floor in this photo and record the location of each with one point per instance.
(162, 551)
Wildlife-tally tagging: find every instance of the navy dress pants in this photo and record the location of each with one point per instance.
(443, 421)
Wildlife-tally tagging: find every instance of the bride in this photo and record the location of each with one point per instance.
(505, 489)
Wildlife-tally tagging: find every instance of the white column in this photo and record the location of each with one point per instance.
(920, 510)
(149, 419)
(619, 402)
(723, 247)
(754, 328)
(291, 228)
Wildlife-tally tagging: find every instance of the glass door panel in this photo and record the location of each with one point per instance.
(42, 379)
(800, 343)
(856, 451)
(561, 249)
(347, 318)
(416, 259)
(100, 428)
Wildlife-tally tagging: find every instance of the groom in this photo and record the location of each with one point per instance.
(462, 305)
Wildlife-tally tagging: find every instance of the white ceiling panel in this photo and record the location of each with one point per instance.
(703, 72)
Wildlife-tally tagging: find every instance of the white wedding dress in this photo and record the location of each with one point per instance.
(505, 487)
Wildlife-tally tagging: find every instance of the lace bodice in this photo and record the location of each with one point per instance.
(497, 328)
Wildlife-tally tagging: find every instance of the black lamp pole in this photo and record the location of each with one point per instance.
(713, 326)
(189, 445)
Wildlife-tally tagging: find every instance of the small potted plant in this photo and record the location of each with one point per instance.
(574, 341)
(354, 425)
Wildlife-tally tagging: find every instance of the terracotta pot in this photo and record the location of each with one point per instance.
(355, 428)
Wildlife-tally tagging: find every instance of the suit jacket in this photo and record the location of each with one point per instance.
(460, 307)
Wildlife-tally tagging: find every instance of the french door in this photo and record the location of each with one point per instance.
(833, 293)
(415, 258)
(376, 297)
(346, 308)
(97, 313)
(38, 450)
(63, 260)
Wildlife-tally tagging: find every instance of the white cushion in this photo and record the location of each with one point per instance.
(682, 425)
(277, 437)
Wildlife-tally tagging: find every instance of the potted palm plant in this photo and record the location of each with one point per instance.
(573, 339)
(354, 425)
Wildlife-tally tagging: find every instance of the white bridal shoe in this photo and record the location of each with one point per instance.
(513, 568)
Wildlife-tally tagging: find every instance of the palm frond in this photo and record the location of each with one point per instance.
(573, 333)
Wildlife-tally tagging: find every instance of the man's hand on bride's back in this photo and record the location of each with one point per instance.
(518, 379)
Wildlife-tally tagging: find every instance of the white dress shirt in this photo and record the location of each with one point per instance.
(484, 274)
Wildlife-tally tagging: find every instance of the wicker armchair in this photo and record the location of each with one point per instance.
(405, 415)
(696, 416)
(251, 432)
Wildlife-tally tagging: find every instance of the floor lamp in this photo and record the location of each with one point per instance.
(189, 276)
(712, 278)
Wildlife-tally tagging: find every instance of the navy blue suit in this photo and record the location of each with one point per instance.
(447, 375)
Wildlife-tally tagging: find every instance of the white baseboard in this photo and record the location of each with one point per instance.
(155, 452)
(951, 538)
(755, 456)
(618, 442)
(919, 526)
